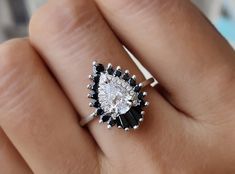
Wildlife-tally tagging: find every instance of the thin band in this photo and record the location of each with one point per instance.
(147, 82)
(90, 117)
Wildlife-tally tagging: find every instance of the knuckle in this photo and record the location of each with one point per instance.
(62, 17)
(14, 71)
(10, 52)
(130, 7)
(223, 81)
(219, 87)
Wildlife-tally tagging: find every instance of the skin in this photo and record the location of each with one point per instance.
(189, 124)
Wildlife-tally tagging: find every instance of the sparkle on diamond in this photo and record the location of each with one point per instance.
(115, 95)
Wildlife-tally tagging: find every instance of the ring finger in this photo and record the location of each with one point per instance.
(76, 34)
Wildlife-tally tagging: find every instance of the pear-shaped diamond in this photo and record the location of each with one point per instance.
(115, 95)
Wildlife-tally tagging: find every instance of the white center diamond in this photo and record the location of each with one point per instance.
(113, 96)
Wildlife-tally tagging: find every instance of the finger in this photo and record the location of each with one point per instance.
(69, 52)
(10, 160)
(179, 46)
(36, 116)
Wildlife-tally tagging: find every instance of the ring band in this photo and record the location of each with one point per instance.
(117, 97)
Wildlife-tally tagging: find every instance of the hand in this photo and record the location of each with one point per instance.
(189, 126)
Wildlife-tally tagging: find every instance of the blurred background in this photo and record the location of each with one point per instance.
(15, 15)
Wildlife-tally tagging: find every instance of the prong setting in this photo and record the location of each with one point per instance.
(136, 127)
(146, 103)
(94, 63)
(145, 93)
(118, 68)
(89, 86)
(90, 77)
(109, 65)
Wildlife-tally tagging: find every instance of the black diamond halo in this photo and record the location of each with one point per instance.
(117, 97)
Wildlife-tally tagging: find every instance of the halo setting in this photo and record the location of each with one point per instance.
(117, 97)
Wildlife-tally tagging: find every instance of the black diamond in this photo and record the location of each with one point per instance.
(94, 96)
(98, 68)
(137, 88)
(118, 122)
(141, 95)
(99, 111)
(126, 77)
(124, 122)
(96, 104)
(131, 119)
(136, 114)
(138, 109)
(132, 82)
(96, 78)
(112, 122)
(118, 73)
(110, 70)
(105, 118)
(94, 87)
(142, 103)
